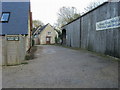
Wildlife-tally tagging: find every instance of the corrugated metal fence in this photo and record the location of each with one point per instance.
(104, 38)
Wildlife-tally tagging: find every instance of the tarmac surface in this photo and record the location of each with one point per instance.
(59, 67)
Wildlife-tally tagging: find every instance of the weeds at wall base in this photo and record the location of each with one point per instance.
(92, 52)
(22, 63)
(31, 54)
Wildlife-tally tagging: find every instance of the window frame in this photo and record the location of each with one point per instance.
(49, 33)
(7, 19)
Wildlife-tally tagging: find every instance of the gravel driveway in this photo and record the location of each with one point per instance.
(58, 67)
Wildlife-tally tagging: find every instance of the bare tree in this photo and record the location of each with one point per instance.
(66, 15)
(37, 23)
(93, 5)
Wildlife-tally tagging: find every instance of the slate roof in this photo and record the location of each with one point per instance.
(18, 22)
(42, 28)
(35, 30)
(39, 30)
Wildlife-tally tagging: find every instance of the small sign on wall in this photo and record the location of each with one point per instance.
(12, 38)
(108, 24)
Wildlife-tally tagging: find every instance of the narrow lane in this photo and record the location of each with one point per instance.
(58, 67)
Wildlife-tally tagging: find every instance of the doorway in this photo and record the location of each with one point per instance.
(64, 36)
(48, 39)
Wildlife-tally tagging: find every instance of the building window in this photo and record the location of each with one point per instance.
(5, 17)
(49, 33)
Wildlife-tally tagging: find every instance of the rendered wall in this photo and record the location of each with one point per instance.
(13, 52)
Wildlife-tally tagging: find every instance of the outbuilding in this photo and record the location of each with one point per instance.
(15, 34)
(45, 35)
(97, 30)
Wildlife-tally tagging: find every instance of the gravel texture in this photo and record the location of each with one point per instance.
(59, 67)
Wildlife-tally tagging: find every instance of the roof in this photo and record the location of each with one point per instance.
(41, 29)
(18, 22)
(15, 0)
(35, 29)
(85, 13)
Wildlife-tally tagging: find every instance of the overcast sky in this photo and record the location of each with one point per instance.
(46, 10)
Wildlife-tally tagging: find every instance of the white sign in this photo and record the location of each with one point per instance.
(108, 24)
(13, 38)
